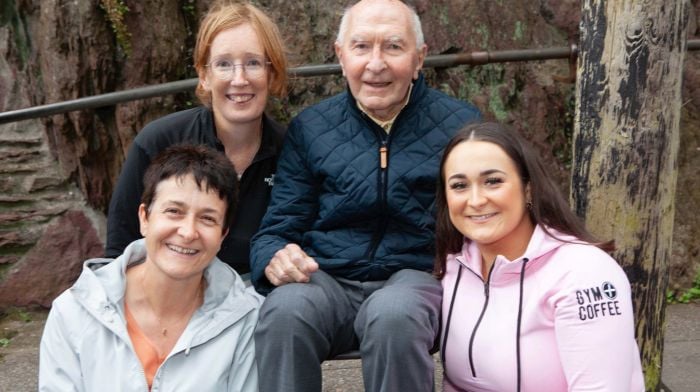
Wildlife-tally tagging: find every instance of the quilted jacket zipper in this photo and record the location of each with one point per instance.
(381, 227)
(384, 139)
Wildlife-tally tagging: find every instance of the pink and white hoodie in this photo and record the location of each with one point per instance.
(559, 318)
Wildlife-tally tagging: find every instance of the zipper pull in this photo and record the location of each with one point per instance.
(488, 280)
(383, 150)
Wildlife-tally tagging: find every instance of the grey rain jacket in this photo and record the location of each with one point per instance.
(86, 346)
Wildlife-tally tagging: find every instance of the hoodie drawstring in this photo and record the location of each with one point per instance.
(447, 325)
(520, 316)
(443, 349)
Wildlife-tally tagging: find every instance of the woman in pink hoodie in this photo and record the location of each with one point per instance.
(532, 301)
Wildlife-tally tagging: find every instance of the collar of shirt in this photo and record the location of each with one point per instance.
(386, 125)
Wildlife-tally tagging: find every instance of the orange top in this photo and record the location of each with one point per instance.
(145, 350)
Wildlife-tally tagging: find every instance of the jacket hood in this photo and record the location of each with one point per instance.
(101, 286)
(505, 270)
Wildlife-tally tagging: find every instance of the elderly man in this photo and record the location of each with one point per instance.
(347, 241)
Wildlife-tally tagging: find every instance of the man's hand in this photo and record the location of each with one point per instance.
(290, 265)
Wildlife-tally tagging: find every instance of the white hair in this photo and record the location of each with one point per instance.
(417, 29)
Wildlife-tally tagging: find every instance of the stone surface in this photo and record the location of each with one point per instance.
(682, 348)
(685, 263)
(54, 263)
(19, 359)
(346, 376)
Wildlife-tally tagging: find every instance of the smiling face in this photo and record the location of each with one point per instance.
(183, 228)
(241, 99)
(486, 199)
(379, 56)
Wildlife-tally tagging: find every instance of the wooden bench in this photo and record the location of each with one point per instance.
(352, 354)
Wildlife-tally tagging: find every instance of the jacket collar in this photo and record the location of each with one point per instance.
(101, 286)
(417, 91)
(272, 135)
(504, 269)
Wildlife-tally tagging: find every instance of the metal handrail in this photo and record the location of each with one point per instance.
(437, 61)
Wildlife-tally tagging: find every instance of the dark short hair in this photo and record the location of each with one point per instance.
(549, 207)
(210, 168)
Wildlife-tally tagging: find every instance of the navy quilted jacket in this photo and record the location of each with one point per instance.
(331, 195)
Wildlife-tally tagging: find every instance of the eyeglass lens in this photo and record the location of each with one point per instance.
(225, 69)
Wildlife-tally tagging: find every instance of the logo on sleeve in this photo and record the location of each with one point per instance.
(598, 301)
(609, 290)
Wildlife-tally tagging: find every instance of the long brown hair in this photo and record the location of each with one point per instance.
(549, 207)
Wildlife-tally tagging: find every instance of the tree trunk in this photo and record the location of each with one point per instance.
(626, 137)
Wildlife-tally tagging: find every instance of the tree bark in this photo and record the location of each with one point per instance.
(626, 139)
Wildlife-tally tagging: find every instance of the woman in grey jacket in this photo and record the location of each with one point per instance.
(167, 314)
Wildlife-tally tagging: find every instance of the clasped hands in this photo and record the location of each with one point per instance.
(290, 265)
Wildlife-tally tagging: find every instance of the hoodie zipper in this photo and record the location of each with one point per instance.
(481, 316)
(520, 319)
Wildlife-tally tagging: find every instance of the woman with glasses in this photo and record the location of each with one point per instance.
(240, 60)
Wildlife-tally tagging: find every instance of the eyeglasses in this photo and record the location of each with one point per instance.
(224, 69)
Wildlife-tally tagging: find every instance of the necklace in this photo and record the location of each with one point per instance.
(190, 309)
(243, 159)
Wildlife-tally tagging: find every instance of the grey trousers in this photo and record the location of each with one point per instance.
(394, 323)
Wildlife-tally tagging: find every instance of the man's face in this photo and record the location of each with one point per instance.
(379, 56)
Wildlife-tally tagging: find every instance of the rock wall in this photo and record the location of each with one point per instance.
(57, 172)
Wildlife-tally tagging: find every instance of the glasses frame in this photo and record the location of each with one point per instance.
(246, 73)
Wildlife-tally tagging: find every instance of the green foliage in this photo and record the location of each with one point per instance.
(7, 12)
(4, 269)
(24, 316)
(652, 369)
(519, 31)
(496, 104)
(116, 10)
(188, 8)
(9, 16)
(12, 250)
(483, 31)
(561, 136)
(691, 294)
(6, 334)
(16, 314)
